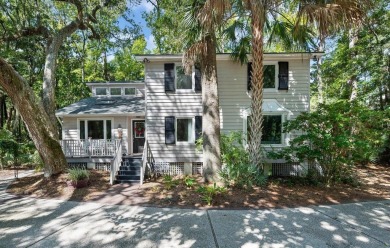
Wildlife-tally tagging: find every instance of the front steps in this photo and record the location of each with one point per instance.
(129, 171)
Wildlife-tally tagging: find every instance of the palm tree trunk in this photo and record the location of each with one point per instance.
(210, 118)
(257, 11)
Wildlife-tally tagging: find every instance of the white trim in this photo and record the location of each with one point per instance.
(226, 56)
(107, 115)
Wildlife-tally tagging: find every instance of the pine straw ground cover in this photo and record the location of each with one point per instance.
(375, 185)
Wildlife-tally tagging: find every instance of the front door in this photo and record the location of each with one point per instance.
(138, 136)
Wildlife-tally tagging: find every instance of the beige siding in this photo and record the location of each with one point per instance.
(234, 100)
(161, 104)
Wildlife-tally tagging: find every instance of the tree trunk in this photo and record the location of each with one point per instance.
(41, 129)
(257, 11)
(210, 118)
(49, 73)
(319, 73)
(353, 38)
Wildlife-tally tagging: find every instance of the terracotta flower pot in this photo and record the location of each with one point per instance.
(78, 184)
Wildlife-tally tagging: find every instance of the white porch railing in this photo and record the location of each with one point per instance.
(89, 147)
(116, 163)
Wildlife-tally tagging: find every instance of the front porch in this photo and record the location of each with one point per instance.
(90, 147)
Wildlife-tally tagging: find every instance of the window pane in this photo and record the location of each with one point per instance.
(129, 91)
(182, 81)
(96, 129)
(269, 76)
(272, 129)
(108, 129)
(184, 129)
(101, 91)
(82, 129)
(115, 91)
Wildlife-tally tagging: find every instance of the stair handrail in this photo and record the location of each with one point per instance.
(147, 161)
(115, 163)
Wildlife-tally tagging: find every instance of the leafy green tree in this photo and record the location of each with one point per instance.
(125, 66)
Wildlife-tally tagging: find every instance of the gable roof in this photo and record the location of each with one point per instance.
(104, 106)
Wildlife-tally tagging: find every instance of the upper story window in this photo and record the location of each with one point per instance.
(115, 91)
(269, 76)
(183, 81)
(129, 91)
(275, 76)
(176, 80)
(99, 91)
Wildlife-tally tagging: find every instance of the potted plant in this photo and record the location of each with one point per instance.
(78, 177)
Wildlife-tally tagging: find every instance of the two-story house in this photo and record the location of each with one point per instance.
(166, 111)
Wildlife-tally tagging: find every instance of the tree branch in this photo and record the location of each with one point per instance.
(28, 32)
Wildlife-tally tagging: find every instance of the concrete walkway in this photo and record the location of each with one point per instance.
(29, 222)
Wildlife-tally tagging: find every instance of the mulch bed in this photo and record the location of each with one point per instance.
(280, 193)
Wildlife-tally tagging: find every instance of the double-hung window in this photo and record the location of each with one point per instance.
(183, 81)
(275, 76)
(175, 79)
(184, 130)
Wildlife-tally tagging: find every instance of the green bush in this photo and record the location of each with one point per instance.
(189, 181)
(209, 192)
(237, 170)
(336, 137)
(78, 174)
(169, 183)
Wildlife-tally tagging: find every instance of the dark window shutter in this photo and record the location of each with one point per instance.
(283, 76)
(169, 77)
(249, 78)
(198, 127)
(198, 79)
(170, 130)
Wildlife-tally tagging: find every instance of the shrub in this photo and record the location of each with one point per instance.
(189, 181)
(336, 137)
(237, 170)
(169, 182)
(78, 174)
(209, 192)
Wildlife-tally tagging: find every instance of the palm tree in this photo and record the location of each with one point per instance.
(202, 20)
(326, 16)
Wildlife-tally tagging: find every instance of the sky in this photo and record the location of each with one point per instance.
(137, 12)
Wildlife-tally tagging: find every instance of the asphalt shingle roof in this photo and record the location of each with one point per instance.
(104, 106)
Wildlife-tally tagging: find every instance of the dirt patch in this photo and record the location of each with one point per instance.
(57, 187)
(375, 185)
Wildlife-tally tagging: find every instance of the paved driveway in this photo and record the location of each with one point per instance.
(29, 222)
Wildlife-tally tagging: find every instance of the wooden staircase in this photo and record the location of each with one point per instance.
(129, 171)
